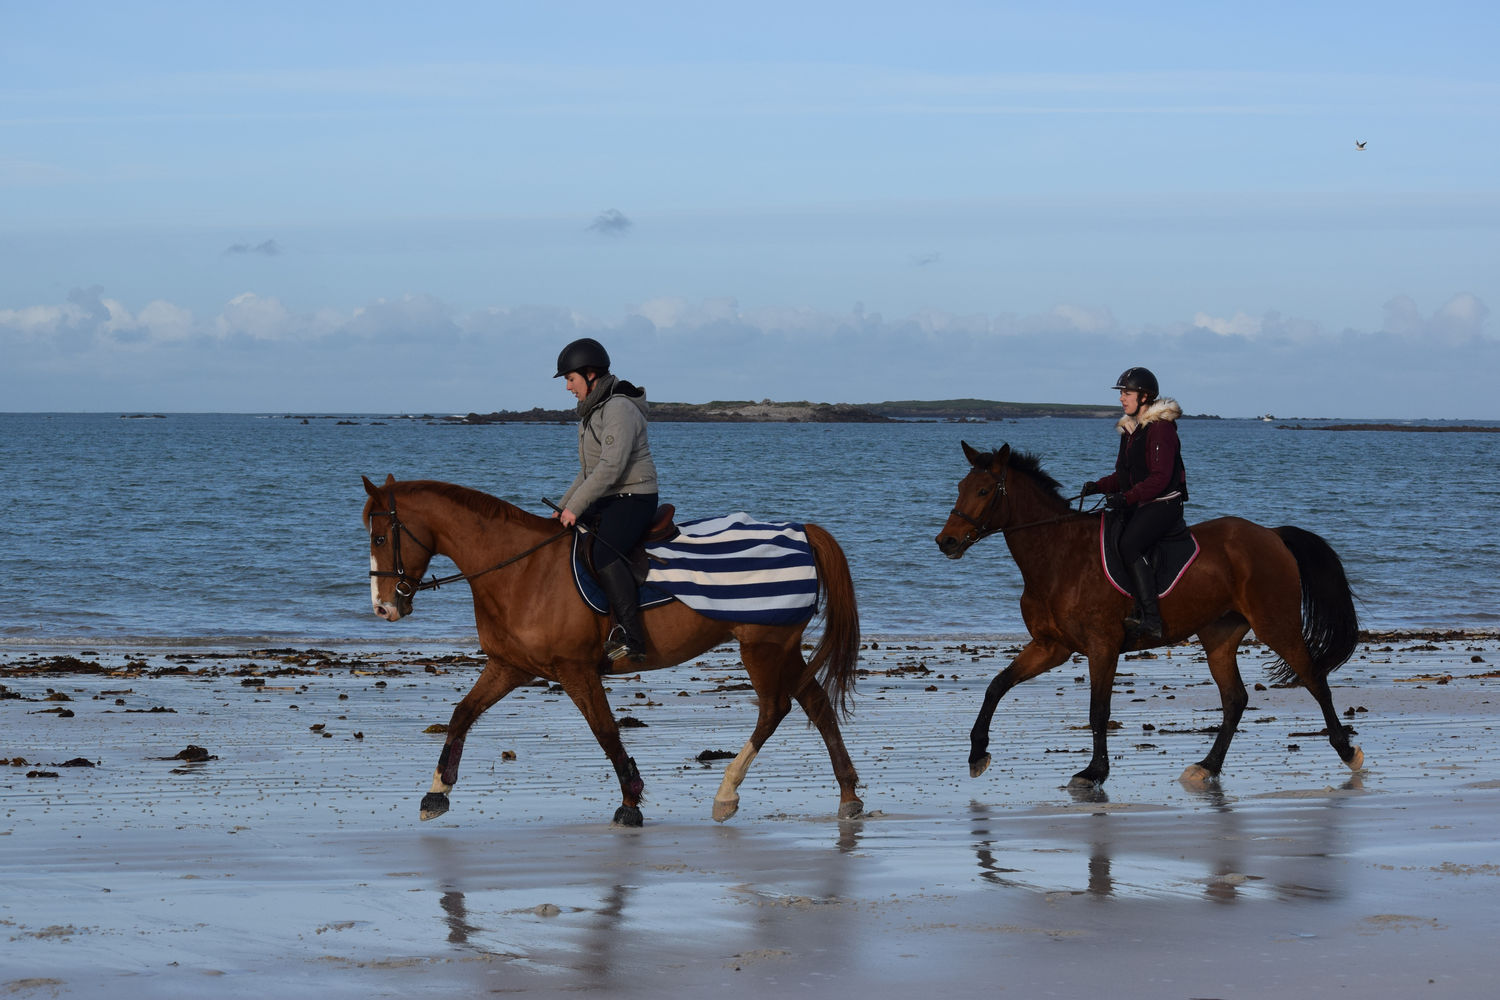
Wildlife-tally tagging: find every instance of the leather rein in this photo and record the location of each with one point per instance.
(407, 585)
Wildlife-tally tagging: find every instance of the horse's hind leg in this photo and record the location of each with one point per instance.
(1221, 642)
(1288, 644)
(814, 701)
(494, 683)
(1037, 658)
(1338, 733)
(766, 676)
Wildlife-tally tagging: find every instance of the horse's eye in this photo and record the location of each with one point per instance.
(985, 491)
(377, 540)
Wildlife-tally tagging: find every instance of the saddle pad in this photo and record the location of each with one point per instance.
(1170, 558)
(593, 594)
(731, 568)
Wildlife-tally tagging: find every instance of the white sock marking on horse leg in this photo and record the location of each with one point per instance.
(734, 774)
(438, 785)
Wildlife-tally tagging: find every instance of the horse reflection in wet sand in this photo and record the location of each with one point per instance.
(1285, 583)
(533, 624)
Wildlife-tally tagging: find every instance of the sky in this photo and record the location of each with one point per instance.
(397, 208)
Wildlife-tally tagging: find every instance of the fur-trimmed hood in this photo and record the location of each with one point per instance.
(1162, 409)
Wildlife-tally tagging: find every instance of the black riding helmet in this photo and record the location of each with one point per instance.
(580, 354)
(1138, 380)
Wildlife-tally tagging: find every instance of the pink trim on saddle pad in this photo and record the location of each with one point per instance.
(1104, 563)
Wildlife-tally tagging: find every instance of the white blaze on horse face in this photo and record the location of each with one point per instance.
(374, 585)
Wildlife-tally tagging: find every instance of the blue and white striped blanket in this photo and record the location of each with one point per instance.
(731, 568)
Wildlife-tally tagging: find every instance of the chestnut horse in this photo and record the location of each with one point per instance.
(533, 624)
(1285, 583)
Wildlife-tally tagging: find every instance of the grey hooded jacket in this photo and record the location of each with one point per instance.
(613, 453)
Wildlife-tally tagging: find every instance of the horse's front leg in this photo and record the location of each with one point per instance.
(1101, 687)
(587, 691)
(1037, 658)
(495, 682)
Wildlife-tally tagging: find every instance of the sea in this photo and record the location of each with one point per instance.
(233, 529)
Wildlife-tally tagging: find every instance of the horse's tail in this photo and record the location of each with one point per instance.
(836, 658)
(1330, 627)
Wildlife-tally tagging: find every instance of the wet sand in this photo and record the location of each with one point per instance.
(291, 862)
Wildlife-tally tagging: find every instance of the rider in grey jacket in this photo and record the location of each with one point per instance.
(615, 491)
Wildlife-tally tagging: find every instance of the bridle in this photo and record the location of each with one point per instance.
(407, 585)
(981, 528)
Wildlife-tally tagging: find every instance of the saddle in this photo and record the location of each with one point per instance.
(1169, 558)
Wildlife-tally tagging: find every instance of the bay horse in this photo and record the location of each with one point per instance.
(1285, 583)
(533, 624)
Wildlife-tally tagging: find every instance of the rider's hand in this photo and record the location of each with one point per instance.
(1090, 488)
(568, 518)
(1114, 501)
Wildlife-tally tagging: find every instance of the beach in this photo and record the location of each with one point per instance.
(202, 822)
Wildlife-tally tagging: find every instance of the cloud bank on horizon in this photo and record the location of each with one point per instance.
(418, 354)
(411, 210)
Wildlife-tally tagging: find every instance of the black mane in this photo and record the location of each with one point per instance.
(1031, 465)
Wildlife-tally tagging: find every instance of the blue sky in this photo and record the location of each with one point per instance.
(370, 207)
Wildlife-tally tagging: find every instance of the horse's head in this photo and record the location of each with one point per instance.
(395, 571)
(977, 512)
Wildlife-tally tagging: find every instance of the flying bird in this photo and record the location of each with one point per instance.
(1359, 146)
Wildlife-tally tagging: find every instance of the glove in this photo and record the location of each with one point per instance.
(1115, 501)
(1090, 488)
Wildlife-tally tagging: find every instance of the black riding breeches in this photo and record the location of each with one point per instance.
(620, 522)
(1145, 525)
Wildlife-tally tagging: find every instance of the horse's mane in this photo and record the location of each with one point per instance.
(480, 503)
(1031, 466)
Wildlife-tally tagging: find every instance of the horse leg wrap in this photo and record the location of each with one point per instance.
(447, 768)
(630, 779)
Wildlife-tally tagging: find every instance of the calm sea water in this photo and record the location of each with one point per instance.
(228, 528)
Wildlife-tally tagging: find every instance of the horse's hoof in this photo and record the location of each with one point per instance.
(853, 809)
(1196, 775)
(629, 816)
(1081, 780)
(1356, 760)
(725, 808)
(978, 767)
(434, 804)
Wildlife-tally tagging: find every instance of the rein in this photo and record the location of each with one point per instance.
(406, 585)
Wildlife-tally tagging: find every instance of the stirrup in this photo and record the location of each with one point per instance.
(618, 646)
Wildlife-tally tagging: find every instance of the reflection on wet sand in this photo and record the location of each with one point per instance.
(1227, 851)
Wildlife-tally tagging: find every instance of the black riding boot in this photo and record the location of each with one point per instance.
(1145, 621)
(626, 639)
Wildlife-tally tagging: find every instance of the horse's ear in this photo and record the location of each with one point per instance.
(390, 480)
(970, 453)
(370, 487)
(1002, 457)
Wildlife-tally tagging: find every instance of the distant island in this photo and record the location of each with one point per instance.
(1409, 428)
(769, 411)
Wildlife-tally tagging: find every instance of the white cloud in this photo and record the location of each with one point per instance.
(1238, 325)
(1459, 320)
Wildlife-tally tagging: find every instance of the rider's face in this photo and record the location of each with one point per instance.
(577, 385)
(1130, 401)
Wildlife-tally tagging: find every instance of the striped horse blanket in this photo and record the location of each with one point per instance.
(731, 568)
